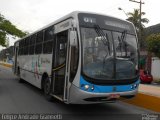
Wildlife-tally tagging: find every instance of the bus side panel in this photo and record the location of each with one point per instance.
(32, 67)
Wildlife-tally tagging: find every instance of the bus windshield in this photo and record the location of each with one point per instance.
(110, 55)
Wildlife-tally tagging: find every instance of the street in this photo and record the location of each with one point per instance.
(20, 98)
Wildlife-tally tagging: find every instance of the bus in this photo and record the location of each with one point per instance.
(82, 58)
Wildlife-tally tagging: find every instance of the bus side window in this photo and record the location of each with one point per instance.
(47, 47)
(48, 41)
(19, 52)
(26, 44)
(38, 49)
(74, 61)
(39, 41)
(22, 47)
(39, 37)
(32, 44)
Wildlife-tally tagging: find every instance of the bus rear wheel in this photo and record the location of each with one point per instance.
(47, 89)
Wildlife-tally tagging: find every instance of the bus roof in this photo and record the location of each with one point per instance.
(74, 15)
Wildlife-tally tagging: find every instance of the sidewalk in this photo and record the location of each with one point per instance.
(150, 90)
(148, 97)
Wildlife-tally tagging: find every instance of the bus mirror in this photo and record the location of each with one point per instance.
(73, 38)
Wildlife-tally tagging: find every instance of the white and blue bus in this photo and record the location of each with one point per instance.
(81, 58)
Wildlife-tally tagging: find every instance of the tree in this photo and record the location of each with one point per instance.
(7, 28)
(153, 44)
(135, 19)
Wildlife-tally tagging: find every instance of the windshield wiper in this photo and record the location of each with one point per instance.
(104, 37)
(105, 41)
(122, 43)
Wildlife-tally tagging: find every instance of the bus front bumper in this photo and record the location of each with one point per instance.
(78, 96)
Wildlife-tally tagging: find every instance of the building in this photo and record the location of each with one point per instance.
(7, 54)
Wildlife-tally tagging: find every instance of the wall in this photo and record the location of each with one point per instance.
(155, 68)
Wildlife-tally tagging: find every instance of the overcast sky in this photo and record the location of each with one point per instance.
(30, 15)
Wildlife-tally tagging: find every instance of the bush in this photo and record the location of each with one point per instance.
(153, 44)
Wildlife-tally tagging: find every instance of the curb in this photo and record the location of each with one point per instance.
(146, 101)
(6, 65)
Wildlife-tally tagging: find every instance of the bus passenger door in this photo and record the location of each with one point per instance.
(60, 64)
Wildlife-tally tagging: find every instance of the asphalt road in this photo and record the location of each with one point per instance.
(23, 98)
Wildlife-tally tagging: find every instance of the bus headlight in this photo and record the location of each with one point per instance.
(134, 86)
(86, 87)
(92, 88)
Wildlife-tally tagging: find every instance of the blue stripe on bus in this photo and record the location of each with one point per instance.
(107, 88)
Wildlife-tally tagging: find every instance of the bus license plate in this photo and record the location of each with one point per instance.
(114, 96)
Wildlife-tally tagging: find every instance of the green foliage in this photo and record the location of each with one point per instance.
(154, 29)
(7, 28)
(2, 38)
(134, 17)
(153, 44)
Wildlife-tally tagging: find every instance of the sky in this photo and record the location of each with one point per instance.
(30, 15)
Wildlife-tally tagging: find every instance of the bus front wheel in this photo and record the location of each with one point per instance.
(19, 76)
(47, 89)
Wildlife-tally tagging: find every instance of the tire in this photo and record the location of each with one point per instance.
(19, 76)
(47, 89)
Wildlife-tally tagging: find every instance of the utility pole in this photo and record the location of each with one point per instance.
(140, 8)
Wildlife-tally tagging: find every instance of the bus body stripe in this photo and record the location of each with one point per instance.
(106, 88)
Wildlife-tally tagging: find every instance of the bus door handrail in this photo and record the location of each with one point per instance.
(59, 67)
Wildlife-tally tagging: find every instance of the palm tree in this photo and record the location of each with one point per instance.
(135, 19)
